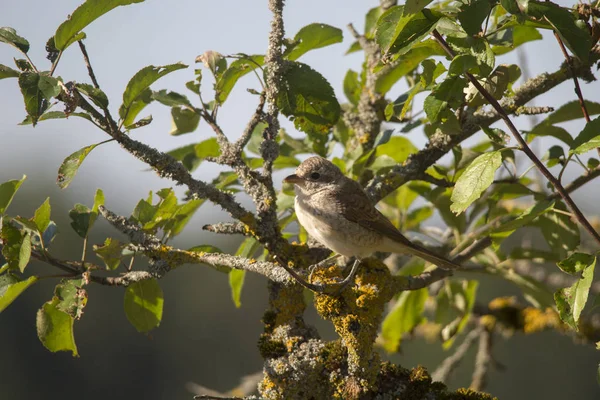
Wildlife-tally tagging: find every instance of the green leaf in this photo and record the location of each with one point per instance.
(314, 36)
(406, 63)
(472, 15)
(42, 216)
(70, 31)
(192, 155)
(588, 138)
(83, 218)
(140, 82)
(97, 96)
(6, 72)
(462, 63)
(352, 87)
(143, 304)
(11, 288)
(571, 111)
(236, 279)
(550, 130)
(576, 38)
(55, 115)
(308, 99)
(25, 252)
(478, 176)
(9, 36)
(477, 47)
(449, 93)
(576, 263)
(406, 314)
(521, 34)
(236, 70)
(559, 230)
(414, 6)
(171, 99)
(571, 301)
(37, 89)
(396, 32)
(70, 165)
(72, 298)
(236, 282)
(111, 252)
(17, 246)
(398, 148)
(184, 121)
(7, 192)
(55, 328)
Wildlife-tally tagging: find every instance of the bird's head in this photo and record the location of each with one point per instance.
(315, 174)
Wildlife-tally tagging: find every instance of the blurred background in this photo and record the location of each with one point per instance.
(203, 338)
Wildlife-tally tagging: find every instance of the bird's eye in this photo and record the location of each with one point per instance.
(315, 176)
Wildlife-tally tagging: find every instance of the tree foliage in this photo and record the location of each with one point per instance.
(449, 53)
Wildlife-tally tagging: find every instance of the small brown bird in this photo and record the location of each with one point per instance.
(336, 211)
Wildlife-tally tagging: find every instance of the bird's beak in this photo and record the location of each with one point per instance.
(293, 179)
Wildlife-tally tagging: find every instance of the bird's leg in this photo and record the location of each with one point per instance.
(350, 278)
(323, 263)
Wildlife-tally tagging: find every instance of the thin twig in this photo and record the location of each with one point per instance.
(443, 371)
(482, 360)
(524, 147)
(568, 59)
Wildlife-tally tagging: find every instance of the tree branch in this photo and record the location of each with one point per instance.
(439, 145)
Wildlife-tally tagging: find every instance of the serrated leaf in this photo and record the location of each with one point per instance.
(80, 219)
(571, 111)
(143, 304)
(183, 121)
(406, 314)
(557, 132)
(414, 6)
(571, 301)
(478, 176)
(70, 165)
(236, 70)
(70, 31)
(588, 138)
(462, 63)
(396, 32)
(55, 328)
(6, 72)
(24, 252)
(9, 36)
(214, 61)
(449, 93)
(314, 36)
(308, 99)
(141, 81)
(236, 279)
(7, 192)
(11, 288)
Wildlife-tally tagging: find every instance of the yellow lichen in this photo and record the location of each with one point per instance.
(536, 320)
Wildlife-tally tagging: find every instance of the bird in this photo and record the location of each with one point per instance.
(337, 212)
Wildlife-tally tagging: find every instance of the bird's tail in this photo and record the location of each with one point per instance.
(429, 256)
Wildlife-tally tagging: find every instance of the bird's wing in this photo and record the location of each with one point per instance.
(355, 206)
